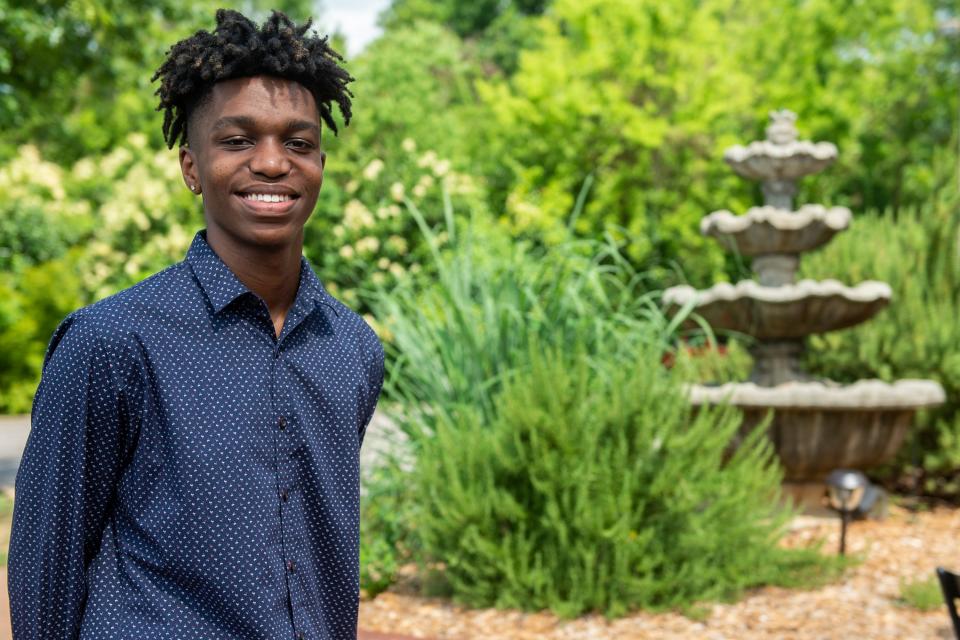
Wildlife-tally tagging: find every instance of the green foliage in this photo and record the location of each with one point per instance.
(410, 87)
(709, 363)
(411, 83)
(75, 75)
(465, 18)
(38, 220)
(592, 487)
(372, 241)
(386, 533)
(617, 90)
(70, 236)
(918, 254)
(924, 595)
(6, 515)
(456, 332)
(32, 304)
(557, 463)
(645, 96)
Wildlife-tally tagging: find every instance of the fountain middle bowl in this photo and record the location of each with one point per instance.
(768, 230)
(790, 311)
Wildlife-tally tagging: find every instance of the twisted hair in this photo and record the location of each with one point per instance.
(237, 48)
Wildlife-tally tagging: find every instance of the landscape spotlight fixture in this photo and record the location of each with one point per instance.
(845, 489)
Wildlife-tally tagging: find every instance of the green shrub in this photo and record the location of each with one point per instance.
(557, 463)
(924, 595)
(593, 487)
(708, 363)
(70, 236)
(456, 328)
(371, 240)
(455, 333)
(32, 304)
(918, 254)
(406, 140)
(386, 527)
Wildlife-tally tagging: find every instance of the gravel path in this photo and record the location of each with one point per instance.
(863, 605)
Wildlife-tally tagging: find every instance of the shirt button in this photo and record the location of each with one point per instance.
(290, 566)
(283, 494)
(300, 635)
(282, 421)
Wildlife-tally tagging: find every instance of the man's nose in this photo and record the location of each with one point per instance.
(270, 159)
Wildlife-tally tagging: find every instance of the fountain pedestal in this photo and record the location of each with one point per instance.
(817, 425)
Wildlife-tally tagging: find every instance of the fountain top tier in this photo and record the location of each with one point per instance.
(781, 156)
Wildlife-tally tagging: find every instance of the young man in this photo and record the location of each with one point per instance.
(192, 471)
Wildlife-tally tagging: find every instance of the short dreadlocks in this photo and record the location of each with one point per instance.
(237, 48)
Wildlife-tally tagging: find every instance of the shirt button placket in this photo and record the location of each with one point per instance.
(282, 421)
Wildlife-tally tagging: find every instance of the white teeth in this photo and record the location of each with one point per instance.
(267, 197)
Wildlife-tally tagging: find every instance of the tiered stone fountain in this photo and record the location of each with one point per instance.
(818, 425)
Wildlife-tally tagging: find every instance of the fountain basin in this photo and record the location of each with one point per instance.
(820, 426)
(790, 311)
(766, 230)
(768, 161)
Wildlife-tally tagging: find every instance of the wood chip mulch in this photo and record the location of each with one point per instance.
(865, 603)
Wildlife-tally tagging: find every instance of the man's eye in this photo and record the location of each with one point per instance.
(235, 142)
(300, 144)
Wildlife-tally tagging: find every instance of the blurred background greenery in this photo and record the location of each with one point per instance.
(576, 144)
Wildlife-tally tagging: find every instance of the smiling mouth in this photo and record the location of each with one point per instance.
(272, 203)
(267, 197)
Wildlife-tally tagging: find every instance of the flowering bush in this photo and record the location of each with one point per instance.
(71, 235)
(371, 239)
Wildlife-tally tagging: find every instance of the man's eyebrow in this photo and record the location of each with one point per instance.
(303, 125)
(246, 122)
(233, 121)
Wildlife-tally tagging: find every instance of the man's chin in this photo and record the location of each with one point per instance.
(264, 235)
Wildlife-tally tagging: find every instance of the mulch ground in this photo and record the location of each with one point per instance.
(865, 603)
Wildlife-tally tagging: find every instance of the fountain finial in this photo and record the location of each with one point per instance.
(783, 127)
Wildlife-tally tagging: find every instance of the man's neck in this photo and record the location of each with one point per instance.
(273, 273)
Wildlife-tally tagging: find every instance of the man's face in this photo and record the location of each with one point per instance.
(255, 141)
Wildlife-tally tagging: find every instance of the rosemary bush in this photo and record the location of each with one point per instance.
(557, 463)
(594, 488)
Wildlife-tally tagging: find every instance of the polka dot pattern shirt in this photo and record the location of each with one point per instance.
(188, 473)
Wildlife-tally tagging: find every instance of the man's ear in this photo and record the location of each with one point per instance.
(323, 159)
(188, 167)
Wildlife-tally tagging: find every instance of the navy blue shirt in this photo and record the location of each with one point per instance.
(188, 473)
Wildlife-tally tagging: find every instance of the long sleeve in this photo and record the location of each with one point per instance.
(374, 383)
(66, 481)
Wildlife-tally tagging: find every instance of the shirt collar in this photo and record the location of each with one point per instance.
(222, 286)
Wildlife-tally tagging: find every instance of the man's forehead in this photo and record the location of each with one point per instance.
(268, 91)
(257, 98)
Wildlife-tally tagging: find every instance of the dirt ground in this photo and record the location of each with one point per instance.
(865, 604)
